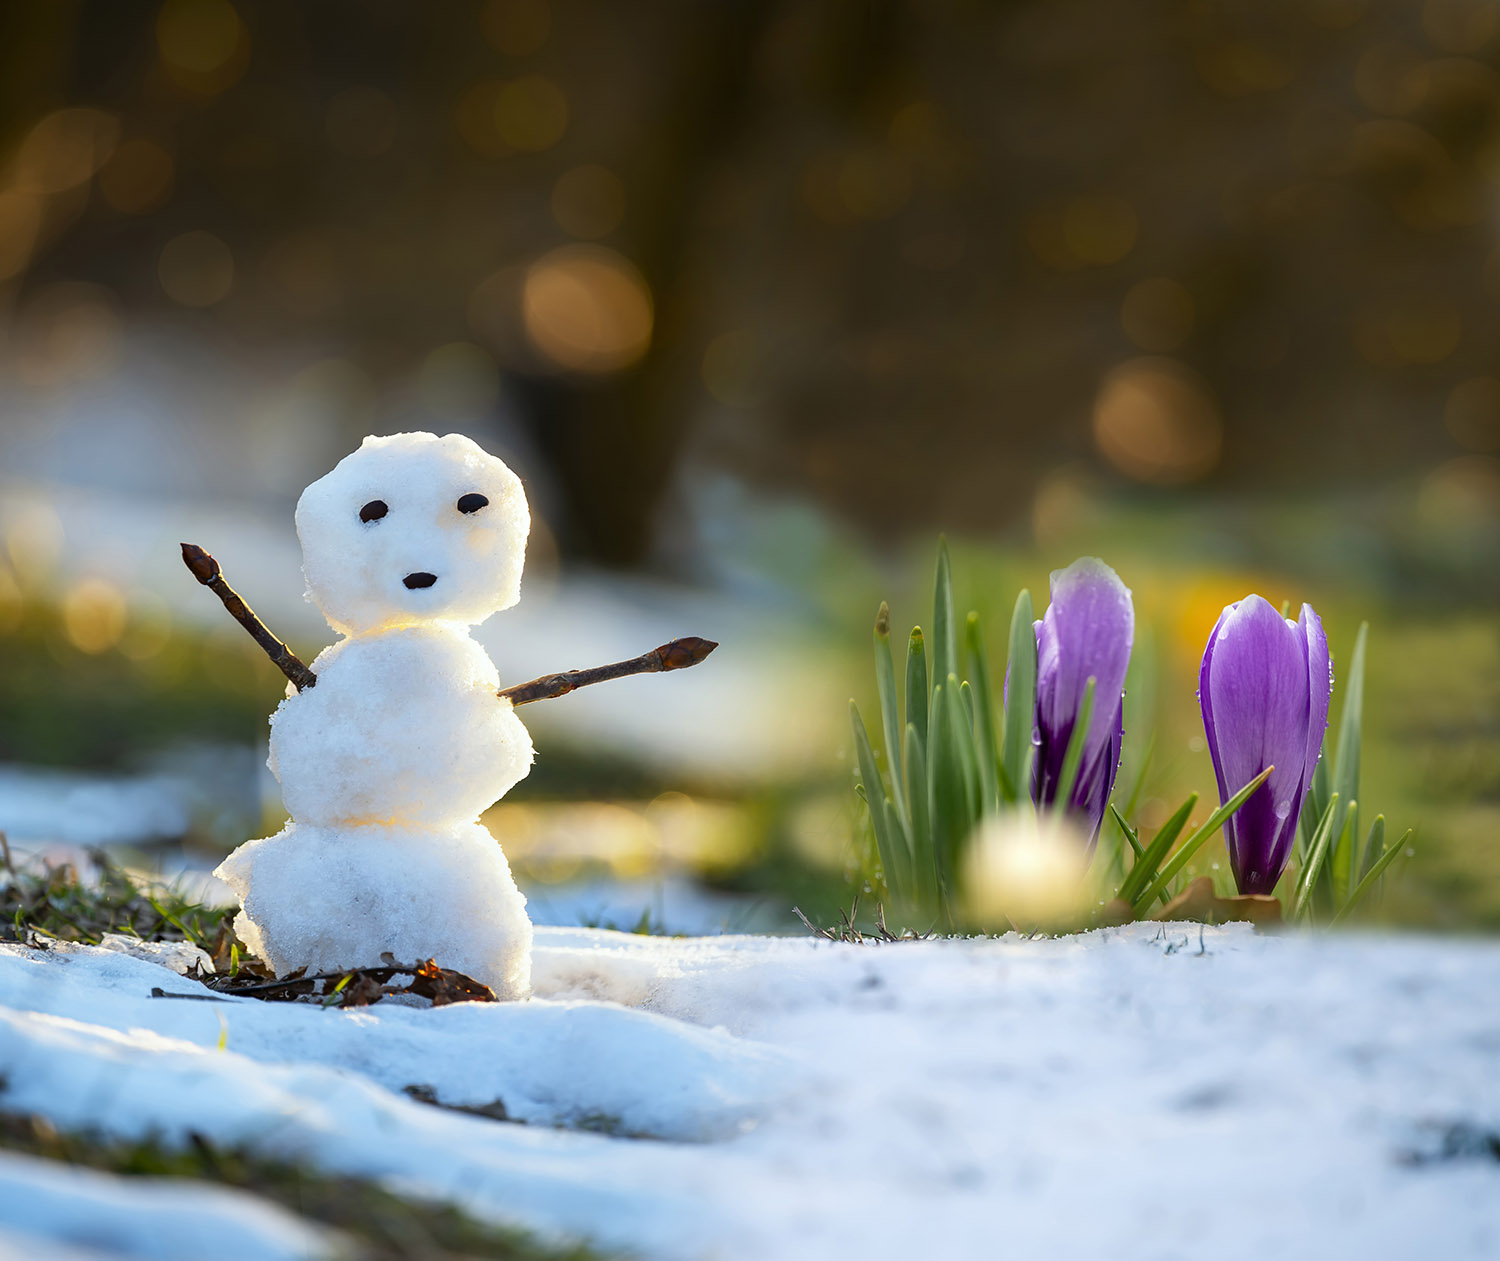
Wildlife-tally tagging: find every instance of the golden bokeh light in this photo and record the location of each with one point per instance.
(1417, 331)
(1066, 504)
(148, 626)
(1156, 422)
(1414, 174)
(12, 601)
(730, 365)
(1472, 414)
(20, 224)
(137, 177)
(587, 309)
(1461, 494)
(196, 269)
(33, 540)
(361, 122)
(68, 332)
(1157, 314)
(204, 45)
(495, 316)
(820, 190)
(1391, 78)
(474, 116)
(531, 113)
(459, 379)
(1100, 230)
(94, 615)
(1092, 231)
(873, 183)
(1460, 26)
(1335, 15)
(588, 202)
(916, 128)
(65, 149)
(516, 28)
(1245, 68)
(302, 273)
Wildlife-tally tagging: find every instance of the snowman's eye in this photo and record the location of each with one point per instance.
(472, 503)
(373, 510)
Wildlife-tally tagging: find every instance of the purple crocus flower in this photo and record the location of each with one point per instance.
(1264, 688)
(1086, 632)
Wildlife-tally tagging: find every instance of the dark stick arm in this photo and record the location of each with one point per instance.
(678, 654)
(206, 570)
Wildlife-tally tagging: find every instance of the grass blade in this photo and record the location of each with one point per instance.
(1140, 779)
(1128, 831)
(1374, 844)
(1372, 877)
(923, 857)
(946, 805)
(962, 718)
(1073, 757)
(1195, 842)
(890, 717)
(944, 632)
(917, 699)
(1020, 700)
(1318, 793)
(1155, 852)
(1346, 763)
(1308, 877)
(984, 705)
(891, 858)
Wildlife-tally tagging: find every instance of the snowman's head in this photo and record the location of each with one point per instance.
(413, 528)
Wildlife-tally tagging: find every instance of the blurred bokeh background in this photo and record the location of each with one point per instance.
(757, 298)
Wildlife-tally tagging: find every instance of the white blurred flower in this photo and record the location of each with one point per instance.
(1027, 870)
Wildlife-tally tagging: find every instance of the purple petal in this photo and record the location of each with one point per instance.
(1319, 686)
(1256, 711)
(1086, 632)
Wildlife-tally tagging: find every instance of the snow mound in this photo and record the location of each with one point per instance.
(1146, 1092)
(59, 1212)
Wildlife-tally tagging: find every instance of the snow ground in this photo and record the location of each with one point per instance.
(1129, 1093)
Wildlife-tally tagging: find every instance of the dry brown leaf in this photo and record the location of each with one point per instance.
(1199, 902)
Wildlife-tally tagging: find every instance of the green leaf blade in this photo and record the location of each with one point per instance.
(944, 632)
(1151, 859)
(1196, 841)
(1372, 877)
(917, 699)
(1073, 756)
(890, 717)
(1307, 879)
(891, 857)
(984, 704)
(1020, 701)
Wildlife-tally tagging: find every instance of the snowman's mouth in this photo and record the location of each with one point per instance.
(415, 582)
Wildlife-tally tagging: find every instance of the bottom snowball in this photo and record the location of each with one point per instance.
(325, 899)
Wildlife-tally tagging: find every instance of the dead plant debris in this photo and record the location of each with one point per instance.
(46, 902)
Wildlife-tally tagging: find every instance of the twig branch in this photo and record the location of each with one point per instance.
(206, 570)
(678, 654)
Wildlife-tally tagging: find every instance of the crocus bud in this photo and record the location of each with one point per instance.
(1264, 688)
(1086, 633)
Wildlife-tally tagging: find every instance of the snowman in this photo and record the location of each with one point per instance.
(398, 738)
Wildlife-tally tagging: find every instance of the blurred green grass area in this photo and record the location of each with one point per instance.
(154, 686)
(1432, 738)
